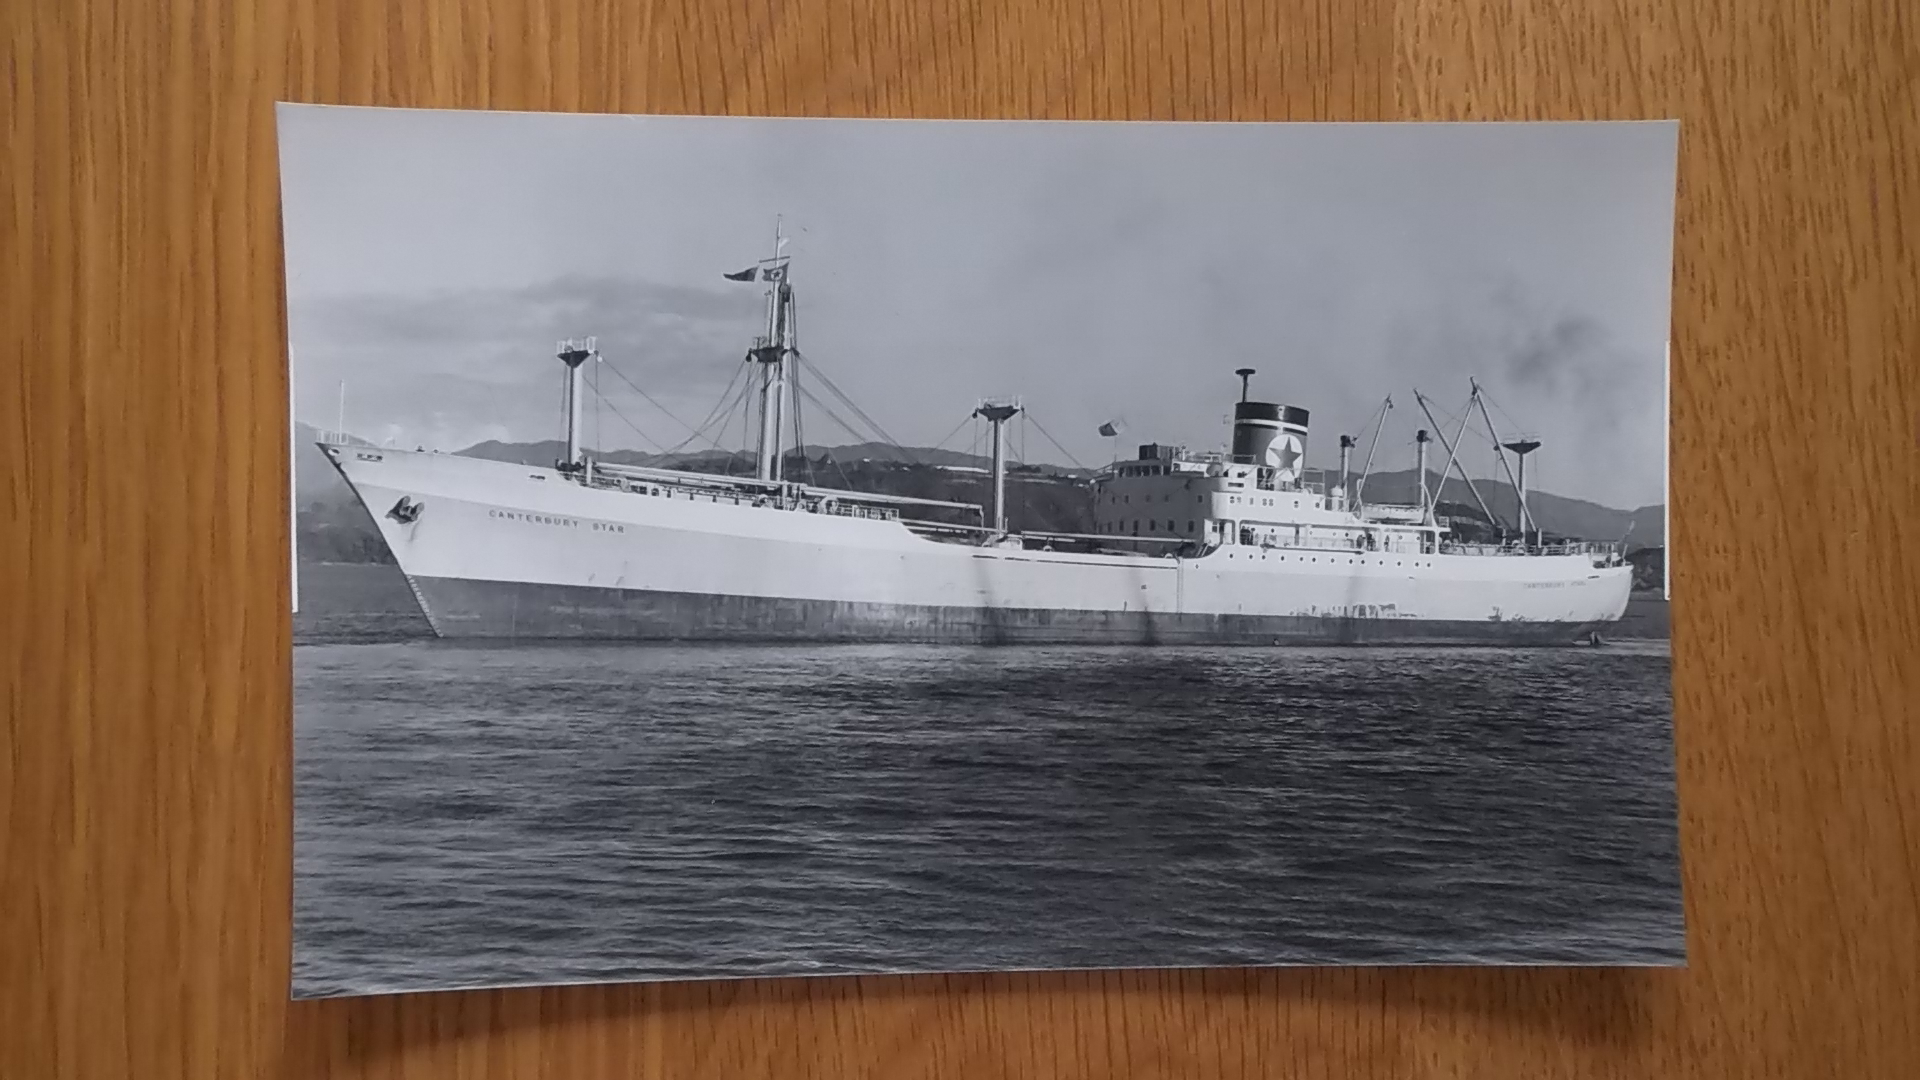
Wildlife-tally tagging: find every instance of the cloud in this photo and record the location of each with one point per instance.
(452, 368)
(1548, 369)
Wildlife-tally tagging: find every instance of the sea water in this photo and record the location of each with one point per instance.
(472, 814)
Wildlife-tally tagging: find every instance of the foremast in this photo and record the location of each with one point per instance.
(575, 353)
(772, 353)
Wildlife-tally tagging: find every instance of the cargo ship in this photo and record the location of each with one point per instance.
(1234, 546)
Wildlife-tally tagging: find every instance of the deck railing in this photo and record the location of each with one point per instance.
(1612, 550)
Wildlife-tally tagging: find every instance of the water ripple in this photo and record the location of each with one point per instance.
(478, 815)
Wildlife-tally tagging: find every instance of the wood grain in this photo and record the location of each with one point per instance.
(144, 784)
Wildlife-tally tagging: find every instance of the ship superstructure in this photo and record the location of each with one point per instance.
(1237, 546)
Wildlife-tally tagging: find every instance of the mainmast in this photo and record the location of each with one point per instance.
(772, 353)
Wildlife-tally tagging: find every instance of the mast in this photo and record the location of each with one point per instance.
(1451, 455)
(998, 415)
(1420, 451)
(1346, 459)
(574, 353)
(771, 354)
(1521, 447)
(1360, 488)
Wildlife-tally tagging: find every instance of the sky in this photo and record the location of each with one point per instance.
(1095, 271)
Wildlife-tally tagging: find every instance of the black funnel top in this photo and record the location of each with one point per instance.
(1267, 410)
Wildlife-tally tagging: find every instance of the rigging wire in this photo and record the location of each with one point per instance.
(1379, 418)
(799, 433)
(852, 405)
(615, 410)
(793, 324)
(636, 389)
(724, 405)
(845, 481)
(1454, 419)
(725, 410)
(746, 429)
(1025, 491)
(834, 416)
(793, 378)
(1445, 418)
(732, 406)
(956, 430)
(1517, 426)
(743, 404)
(1056, 442)
(873, 426)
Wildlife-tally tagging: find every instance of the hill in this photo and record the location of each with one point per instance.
(1642, 527)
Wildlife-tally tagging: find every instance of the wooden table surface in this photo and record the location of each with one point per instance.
(144, 785)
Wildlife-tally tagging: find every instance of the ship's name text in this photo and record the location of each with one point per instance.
(555, 521)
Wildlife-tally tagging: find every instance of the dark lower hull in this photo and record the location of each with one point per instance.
(460, 608)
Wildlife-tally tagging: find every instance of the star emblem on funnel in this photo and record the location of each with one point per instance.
(1284, 454)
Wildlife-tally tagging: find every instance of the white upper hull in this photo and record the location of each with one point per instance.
(486, 521)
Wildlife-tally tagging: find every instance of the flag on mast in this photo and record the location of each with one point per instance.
(772, 270)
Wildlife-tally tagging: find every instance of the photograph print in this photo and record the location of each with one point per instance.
(738, 547)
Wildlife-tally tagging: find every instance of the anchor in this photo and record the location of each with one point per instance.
(406, 511)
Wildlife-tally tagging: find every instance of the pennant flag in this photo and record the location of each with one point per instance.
(744, 275)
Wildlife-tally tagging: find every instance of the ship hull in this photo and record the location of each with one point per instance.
(466, 608)
(504, 551)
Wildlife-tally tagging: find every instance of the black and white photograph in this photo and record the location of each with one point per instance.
(738, 547)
